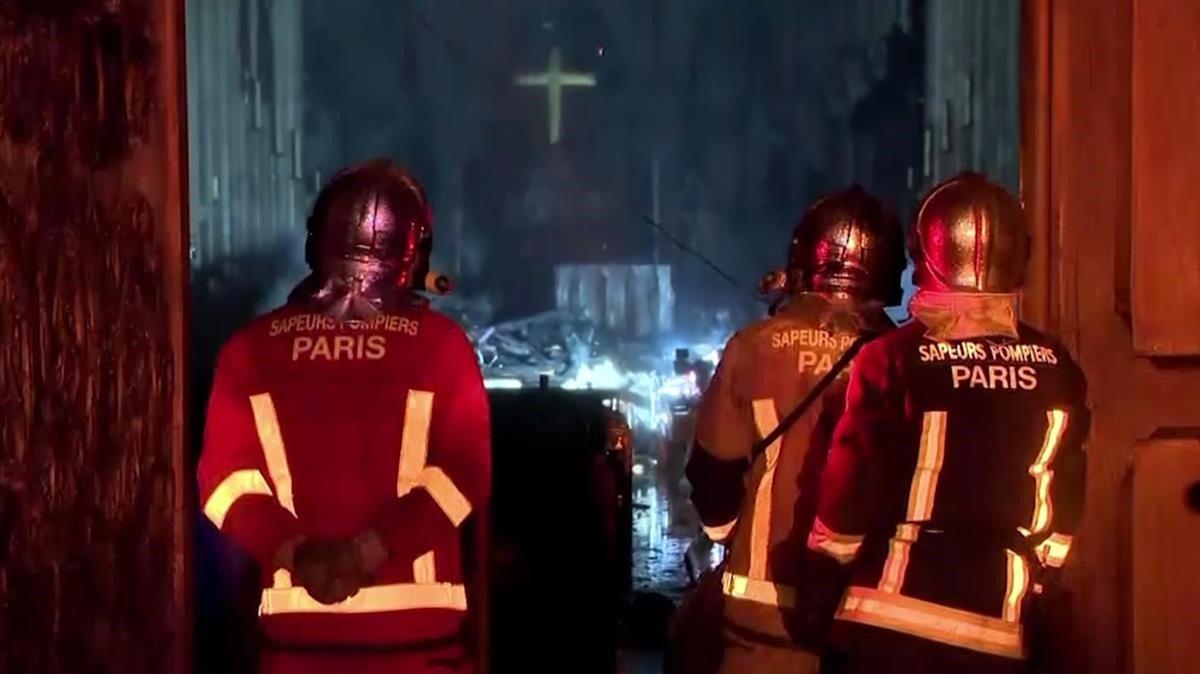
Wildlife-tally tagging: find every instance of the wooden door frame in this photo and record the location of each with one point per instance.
(1037, 307)
(94, 189)
(173, 89)
(1092, 73)
(1076, 184)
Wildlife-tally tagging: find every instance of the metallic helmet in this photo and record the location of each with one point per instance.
(969, 236)
(370, 235)
(371, 216)
(848, 244)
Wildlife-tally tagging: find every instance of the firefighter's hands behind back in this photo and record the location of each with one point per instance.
(329, 570)
(371, 551)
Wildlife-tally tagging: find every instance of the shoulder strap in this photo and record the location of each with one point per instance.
(838, 367)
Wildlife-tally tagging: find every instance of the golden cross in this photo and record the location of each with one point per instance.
(554, 79)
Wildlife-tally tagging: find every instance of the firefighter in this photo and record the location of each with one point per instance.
(844, 266)
(347, 442)
(955, 477)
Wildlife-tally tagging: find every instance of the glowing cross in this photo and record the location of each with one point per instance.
(554, 79)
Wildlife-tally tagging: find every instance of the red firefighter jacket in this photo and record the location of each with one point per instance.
(956, 474)
(762, 507)
(323, 429)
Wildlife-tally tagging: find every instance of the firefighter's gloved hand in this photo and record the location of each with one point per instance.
(328, 569)
(371, 553)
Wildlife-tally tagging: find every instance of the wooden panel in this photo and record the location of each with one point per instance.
(1036, 305)
(1166, 556)
(1166, 201)
(1089, 188)
(92, 496)
(1093, 235)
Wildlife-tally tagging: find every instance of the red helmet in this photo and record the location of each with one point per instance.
(848, 243)
(969, 236)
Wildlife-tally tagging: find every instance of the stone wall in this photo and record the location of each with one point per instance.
(972, 99)
(246, 142)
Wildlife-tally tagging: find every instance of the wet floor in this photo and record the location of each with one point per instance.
(664, 526)
(669, 552)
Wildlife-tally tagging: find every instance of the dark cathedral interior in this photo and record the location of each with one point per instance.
(594, 230)
(607, 191)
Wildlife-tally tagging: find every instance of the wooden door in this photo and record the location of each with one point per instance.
(1166, 556)
(93, 496)
(1112, 165)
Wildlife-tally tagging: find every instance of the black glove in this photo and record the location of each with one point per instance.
(370, 553)
(328, 569)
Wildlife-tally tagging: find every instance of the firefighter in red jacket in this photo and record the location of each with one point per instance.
(347, 441)
(844, 266)
(956, 474)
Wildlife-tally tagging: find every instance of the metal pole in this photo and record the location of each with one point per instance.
(197, 165)
(224, 95)
(654, 202)
(243, 227)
